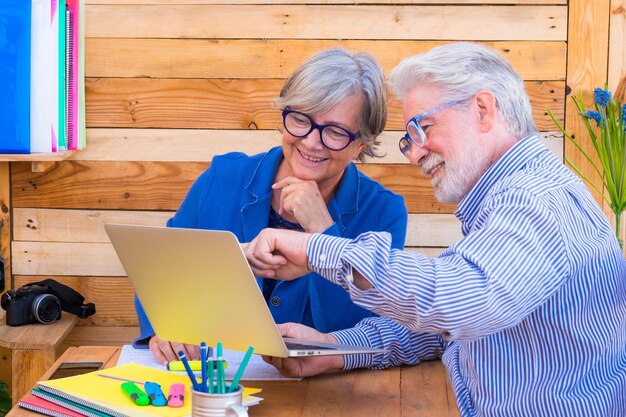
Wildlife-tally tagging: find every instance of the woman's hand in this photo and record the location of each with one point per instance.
(305, 366)
(165, 351)
(303, 200)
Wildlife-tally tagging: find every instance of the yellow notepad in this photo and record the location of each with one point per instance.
(93, 390)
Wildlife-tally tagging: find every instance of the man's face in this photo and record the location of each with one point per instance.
(453, 156)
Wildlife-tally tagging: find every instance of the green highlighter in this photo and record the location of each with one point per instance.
(135, 393)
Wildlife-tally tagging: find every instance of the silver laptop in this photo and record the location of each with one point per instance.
(196, 285)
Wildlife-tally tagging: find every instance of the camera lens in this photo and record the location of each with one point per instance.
(46, 308)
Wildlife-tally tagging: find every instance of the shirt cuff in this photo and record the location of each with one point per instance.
(141, 343)
(324, 254)
(360, 336)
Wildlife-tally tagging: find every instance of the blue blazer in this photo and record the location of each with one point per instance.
(234, 194)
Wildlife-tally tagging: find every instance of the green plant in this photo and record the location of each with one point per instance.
(608, 137)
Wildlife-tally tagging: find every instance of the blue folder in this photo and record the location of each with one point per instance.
(15, 17)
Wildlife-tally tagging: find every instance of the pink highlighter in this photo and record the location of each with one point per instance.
(176, 396)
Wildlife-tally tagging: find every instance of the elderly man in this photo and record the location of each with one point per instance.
(528, 309)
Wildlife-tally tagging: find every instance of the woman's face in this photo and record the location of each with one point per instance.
(307, 159)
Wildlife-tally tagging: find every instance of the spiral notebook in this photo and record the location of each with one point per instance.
(105, 397)
(43, 406)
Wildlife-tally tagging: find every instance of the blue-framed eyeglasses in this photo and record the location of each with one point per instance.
(415, 133)
(333, 137)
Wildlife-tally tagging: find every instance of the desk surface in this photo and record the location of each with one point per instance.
(416, 391)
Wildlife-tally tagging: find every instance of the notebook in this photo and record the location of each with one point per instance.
(196, 285)
(96, 396)
(43, 406)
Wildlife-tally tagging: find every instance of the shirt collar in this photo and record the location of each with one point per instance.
(512, 160)
(345, 199)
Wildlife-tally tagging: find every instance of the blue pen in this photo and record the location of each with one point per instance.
(203, 365)
(194, 382)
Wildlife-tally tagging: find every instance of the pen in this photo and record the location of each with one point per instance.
(153, 393)
(195, 365)
(221, 388)
(134, 393)
(221, 379)
(242, 367)
(176, 396)
(211, 372)
(203, 352)
(194, 382)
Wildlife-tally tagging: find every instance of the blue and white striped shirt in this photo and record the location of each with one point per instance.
(527, 310)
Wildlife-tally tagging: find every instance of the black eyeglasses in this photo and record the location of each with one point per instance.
(333, 137)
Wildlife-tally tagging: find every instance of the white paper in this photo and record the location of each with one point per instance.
(256, 370)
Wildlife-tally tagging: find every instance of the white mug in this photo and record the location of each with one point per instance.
(218, 405)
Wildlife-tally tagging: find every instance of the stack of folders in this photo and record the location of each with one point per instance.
(94, 396)
(42, 92)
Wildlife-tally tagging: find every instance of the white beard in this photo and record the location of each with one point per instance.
(459, 175)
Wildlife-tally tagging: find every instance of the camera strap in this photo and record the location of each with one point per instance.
(70, 299)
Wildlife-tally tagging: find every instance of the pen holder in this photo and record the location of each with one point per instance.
(217, 405)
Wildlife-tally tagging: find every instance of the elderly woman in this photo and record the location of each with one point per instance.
(333, 108)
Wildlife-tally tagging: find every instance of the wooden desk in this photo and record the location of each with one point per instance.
(31, 350)
(417, 391)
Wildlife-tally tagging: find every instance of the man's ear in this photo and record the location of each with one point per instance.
(487, 109)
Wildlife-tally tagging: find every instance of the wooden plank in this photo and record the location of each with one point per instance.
(87, 226)
(31, 365)
(116, 185)
(78, 226)
(379, 397)
(587, 68)
(201, 145)
(235, 104)
(100, 335)
(5, 224)
(432, 230)
(328, 398)
(255, 58)
(230, 2)
(163, 185)
(60, 258)
(35, 337)
(427, 390)
(617, 50)
(617, 67)
(5, 367)
(449, 22)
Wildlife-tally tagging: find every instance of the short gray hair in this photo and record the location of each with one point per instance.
(330, 76)
(461, 70)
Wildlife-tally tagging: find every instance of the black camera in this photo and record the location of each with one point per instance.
(31, 303)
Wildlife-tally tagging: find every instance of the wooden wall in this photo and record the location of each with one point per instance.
(170, 83)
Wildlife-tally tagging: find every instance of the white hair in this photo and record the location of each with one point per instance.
(462, 69)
